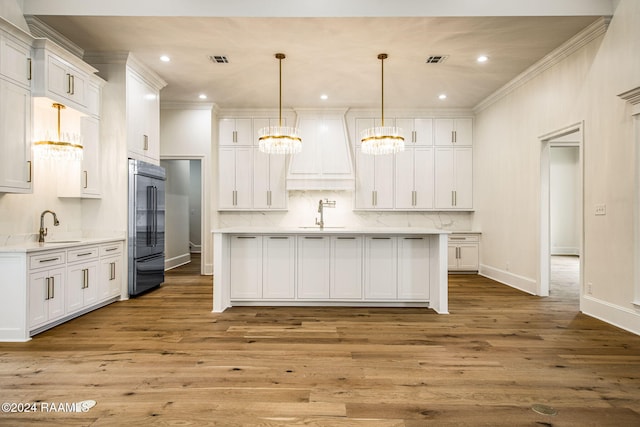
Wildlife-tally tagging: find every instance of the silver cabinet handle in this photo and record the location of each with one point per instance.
(455, 198)
(86, 179)
(269, 198)
(245, 237)
(346, 238)
(30, 75)
(68, 83)
(279, 237)
(30, 171)
(145, 142)
(48, 285)
(49, 259)
(235, 136)
(112, 271)
(314, 237)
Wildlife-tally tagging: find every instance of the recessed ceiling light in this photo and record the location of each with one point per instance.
(483, 58)
(324, 97)
(202, 96)
(442, 96)
(165, 58)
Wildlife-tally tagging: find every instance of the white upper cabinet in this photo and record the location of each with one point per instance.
(15, 60)
(143, 118)
(236, 131)
(325, 161)
(454, 132)
(454, 178)
(60, 75)
(417, 131)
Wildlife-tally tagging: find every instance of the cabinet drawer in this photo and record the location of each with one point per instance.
(48, 259)
(457, 238)
(82, 254)
(111, 249)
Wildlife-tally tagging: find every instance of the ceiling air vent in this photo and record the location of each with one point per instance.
(436, 59)
(219, 59)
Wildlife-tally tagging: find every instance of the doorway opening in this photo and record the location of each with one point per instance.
(561, 212)
(184, 212)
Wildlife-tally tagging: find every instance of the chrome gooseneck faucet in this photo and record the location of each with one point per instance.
(43, 231)
(321, 205)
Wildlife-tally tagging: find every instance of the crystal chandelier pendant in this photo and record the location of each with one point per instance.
(382, 139)
(58, 145)
(279, 139)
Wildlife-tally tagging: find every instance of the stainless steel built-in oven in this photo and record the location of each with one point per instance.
(146, 226)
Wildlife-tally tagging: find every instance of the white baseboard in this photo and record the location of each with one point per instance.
(193, 248)
(522, 283)
(622, 317)
(177, 261)
(565, 250)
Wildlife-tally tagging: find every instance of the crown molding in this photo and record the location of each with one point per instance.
(632, 97)
(593, 31)
(128, 59)
(41, 30)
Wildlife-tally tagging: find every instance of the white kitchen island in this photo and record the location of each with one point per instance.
(366, 267)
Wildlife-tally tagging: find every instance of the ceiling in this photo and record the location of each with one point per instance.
(336, 56)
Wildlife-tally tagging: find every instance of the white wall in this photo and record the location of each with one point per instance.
(185, 132)
(564, 200)
(582, 86)
(11, 10)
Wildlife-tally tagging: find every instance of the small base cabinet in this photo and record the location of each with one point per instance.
(464, 253)
(328, 268)
(43, 288)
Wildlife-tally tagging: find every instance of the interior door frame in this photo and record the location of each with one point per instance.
(547, 141)
(203, 252)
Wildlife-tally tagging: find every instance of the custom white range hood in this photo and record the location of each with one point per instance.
(325, 162)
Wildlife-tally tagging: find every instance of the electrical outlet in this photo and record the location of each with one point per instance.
(601, 209)
(589, 288)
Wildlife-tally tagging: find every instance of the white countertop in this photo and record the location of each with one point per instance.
(57, 244)
(329, 230)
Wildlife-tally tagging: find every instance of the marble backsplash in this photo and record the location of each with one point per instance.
(303, 211)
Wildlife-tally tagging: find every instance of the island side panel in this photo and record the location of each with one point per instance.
(221, 268)
(14, 303)
(439, 280)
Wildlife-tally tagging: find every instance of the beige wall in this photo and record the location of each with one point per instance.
(582, 87)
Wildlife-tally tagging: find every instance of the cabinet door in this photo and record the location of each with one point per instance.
(82, 286)
(244, 177)
(278, 270)
(380, 281)
(346, 267)
(423, 164)
(468, 257)
(136, 115)
(365, 180)
(15, 138)
(413, 268)
(444, 178)
(405, 182)
(261, 174)
(226, 178)
(463, 167)
(90, 179)
(58, 81)
(423, 129)
(463, 129)
(443, 132)
(245, 270)
(15, 61)
(314, 267)
(39, 289)
(452, 257)
(383, 192)
(236, 132)
(46, 296)
(110, 277)
(278, 182)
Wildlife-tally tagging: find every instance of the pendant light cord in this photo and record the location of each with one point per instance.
(280, 57)
(382, 57)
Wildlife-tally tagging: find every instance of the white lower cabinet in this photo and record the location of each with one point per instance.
(111, 269)
(82, 278)
(278, 267)
(463, 253)
(245, 270)
(380, 267)
(46, 296)
(51, 286)
(413, 268)
(314, 267)
(346, 267)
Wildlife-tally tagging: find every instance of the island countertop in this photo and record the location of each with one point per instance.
(330, 230)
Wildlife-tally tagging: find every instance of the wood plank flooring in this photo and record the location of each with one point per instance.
(165, 359)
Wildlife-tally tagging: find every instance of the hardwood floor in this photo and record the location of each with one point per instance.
(165, 359)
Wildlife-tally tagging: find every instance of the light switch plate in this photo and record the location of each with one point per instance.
(601, 209)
